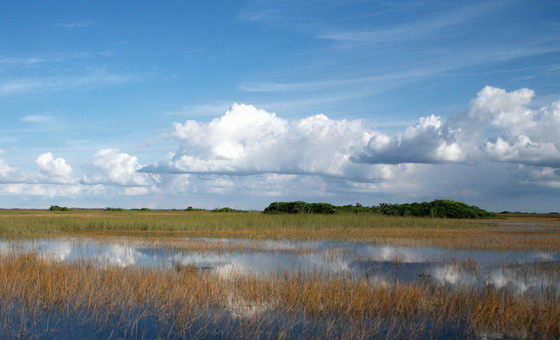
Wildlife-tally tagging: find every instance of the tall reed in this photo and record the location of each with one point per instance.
(39, 297)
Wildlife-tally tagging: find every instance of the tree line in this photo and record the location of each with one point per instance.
(436, 208)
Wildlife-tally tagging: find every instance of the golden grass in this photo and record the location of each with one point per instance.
(44, 298)
(471, 234)
(190, 302)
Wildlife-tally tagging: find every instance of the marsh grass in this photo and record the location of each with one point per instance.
(45, 298)
(41, 297)
(400, 231)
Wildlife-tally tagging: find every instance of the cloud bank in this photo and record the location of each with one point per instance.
(524, 136)
(249, 151)
(249, 141)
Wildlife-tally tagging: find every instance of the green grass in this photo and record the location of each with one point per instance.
(24, 223)
(403, 231)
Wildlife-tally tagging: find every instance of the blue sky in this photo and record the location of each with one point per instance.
(78, 78)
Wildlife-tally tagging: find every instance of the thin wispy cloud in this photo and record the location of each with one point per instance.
(412, 30)
(454, 65)
(326, 84)
(48, 58)
(52, 84)
(36, 119)
(380, 55)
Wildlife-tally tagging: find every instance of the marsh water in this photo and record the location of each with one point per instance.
(520, 271)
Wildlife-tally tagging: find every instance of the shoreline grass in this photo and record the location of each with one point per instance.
(531, 234)
(37, 293)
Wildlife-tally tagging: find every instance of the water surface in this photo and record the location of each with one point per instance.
(385, 264)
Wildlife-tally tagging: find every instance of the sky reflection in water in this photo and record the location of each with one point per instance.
(385, 264)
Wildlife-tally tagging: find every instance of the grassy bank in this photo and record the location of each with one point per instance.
(446, 233)
(46, 298)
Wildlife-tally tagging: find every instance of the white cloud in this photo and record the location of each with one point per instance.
(36, 119)
(48, 190)
(481, 153)
(249, 145)
(27, 62)
(7, 173)
(495, 106)
(430, 140)
(110, 166)
(528, 136)
(135, 191)
(108, 172)
(18, 86)
(54, 168)
(175, 184)
(525, 136)
(249, 141)
(523, 150)
(412, 30)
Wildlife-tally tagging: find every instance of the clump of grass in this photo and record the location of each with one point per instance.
(189, 268)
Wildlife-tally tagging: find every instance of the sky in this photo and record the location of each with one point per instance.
(169, 104)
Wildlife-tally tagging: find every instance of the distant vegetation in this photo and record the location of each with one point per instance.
(437, 208)
(300, 207)
(228, 210)
(58, 208)
(194, 209)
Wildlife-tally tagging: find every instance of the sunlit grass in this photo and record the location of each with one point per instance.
(39, 297)
(469, 234)
(187, 301)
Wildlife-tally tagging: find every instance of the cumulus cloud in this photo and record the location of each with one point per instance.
(250, 141)
(110, 166)
(524, 135)
(528, 137)
(260, 153)
(55, 169)
(523, 150)
(497, 126)
(498, 142)
(430, 140)
(7, 173)
(108, 172)
(51, 171)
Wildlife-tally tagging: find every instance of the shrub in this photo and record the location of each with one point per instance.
(356, 209)
(437, 208)
(300, 207)
(227, 210)
(58, 208)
